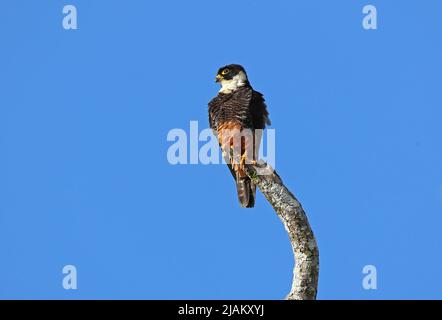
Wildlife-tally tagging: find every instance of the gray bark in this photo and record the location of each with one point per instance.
(302, 239)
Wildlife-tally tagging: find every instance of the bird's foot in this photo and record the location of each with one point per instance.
(244, 160)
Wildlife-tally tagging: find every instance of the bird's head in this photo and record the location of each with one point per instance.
(231, 77)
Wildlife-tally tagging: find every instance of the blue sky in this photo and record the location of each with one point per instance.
(84, 177)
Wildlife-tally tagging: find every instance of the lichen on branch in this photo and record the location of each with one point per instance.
(292, 215)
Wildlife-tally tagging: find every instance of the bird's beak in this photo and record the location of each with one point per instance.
(218, 78)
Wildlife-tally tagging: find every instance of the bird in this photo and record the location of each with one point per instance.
(235, 115)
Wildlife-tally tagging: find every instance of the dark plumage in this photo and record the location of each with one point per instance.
(238, 107)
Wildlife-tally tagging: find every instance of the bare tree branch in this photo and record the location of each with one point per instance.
(302, 239)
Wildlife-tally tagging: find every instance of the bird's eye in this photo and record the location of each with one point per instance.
(225, 71)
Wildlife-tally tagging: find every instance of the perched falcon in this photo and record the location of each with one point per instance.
(235, 114)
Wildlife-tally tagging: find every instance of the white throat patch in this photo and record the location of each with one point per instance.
(228, 86)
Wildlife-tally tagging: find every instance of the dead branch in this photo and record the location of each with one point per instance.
(302, 239)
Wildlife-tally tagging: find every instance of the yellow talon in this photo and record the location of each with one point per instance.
(242, 162)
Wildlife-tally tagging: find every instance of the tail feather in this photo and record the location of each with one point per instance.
(246, 192)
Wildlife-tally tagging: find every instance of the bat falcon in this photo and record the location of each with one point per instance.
(237, 116)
